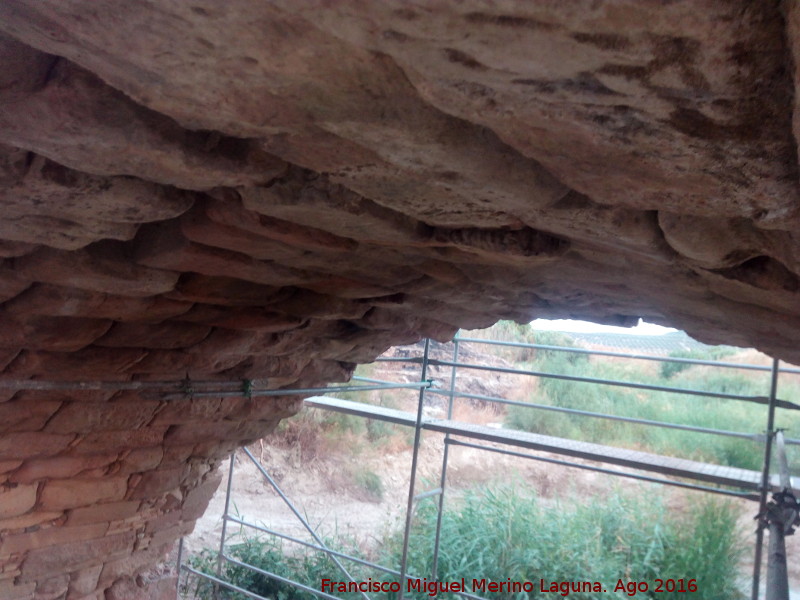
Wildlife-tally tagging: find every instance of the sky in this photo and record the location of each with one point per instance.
(642, 328)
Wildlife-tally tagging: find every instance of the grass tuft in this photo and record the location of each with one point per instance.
(504, 534)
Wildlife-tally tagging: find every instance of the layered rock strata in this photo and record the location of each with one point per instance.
(218, 191)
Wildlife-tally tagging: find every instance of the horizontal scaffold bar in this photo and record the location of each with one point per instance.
(645, 461)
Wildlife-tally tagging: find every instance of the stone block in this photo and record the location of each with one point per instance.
(10, 568)
(303, 196)
(162, 522)
(72, 493)
(217, 450)
(103, 512)
(269, 408)
(59, 467)
(133, 563)
(176, 455)
(197, 363)
(101, 268)
(141, 459)
(53, 190)
(226, 291)
(57, 334)
(13, 591)
(117, 135)
(227, 430)
(199, 228)
(304, 303)
(163, 246)
(348, 287)
(230, 212)
(256, 319)
(7, 356)
(53, 300)
(10, 249)
(91, 364)
(386, 319)
(84, 581)
(191, 410)
(196, 499)
(32, 444)
(9, 465)
(12, 284)
(129, 589)
(266, 367)
(332, 371)
(125, 411)
(50, 536)
(64, 234)
(52, 588)
(29, 520)
(93, 596)
(166, 336)
(77, 394)
(103, 442)
(26, 414)
(73, 556)
(155, 483)
(171, 535)
(16, 500)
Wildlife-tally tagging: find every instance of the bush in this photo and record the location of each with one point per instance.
(668, 369)
(370, 482)
(269, 554)
(655, 406)
(503, 534)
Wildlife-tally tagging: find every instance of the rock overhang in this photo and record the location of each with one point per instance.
(250, 172)
(280, 190)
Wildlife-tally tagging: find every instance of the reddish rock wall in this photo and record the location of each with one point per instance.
(97, 487)
(279, 190)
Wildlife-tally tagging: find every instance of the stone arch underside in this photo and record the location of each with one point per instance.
(281, 190)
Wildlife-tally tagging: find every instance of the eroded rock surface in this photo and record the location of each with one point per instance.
(280, 190)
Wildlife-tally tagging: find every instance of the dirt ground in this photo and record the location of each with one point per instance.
(322, 485)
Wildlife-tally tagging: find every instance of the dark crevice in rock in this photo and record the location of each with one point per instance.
(763, 272)
(525, 242)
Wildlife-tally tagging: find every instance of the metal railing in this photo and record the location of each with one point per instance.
(425, 386)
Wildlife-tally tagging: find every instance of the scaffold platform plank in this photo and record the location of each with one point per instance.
(635, 459)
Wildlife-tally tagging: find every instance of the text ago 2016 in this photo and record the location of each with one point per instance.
(487, 586)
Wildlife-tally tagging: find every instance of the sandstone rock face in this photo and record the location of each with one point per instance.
(279, 190)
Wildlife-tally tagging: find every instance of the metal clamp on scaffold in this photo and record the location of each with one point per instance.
(186, 387)
(781, 517)
(247, 388)
(784, 511)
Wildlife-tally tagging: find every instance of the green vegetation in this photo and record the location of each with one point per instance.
(680, 409)
(269, 554)
(503, 534)
(370, 482)
(668, 369)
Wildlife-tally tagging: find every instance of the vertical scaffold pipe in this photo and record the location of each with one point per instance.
(413, 477)
(445, 457)
(777, 575)
(762, 508)
(225, 523)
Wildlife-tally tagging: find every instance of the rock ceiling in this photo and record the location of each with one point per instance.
(281, 189)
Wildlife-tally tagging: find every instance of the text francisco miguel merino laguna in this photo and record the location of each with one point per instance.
(432, 588)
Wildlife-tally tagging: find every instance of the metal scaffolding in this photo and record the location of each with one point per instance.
(779, 515)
